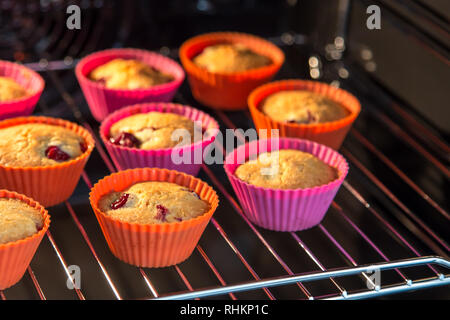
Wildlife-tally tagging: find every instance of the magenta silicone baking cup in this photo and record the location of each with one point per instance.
(27, 78)
(285, 209)
(103, 101)
(130, 158)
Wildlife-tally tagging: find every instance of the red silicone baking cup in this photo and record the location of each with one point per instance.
(49, 185)
(129, 158)
(228, 90)
(27, 78)
(103, 101)
(152, 245)
(331, 133)
(285, 209)
(15, 257)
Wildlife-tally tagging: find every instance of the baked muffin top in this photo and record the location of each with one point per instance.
(153, 202)
(128, 74)
(296, 170)
(18, 220)
(301, 106)
(11, 90)
(230, 58)
(38, 144)
(153, 130)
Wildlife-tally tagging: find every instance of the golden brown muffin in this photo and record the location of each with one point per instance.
(11, 90)
(18, 220)
(230, 58)
(128, 74)
(153, 202)
(153, 130)
(299, 106)
(37, 144)
(296, 169)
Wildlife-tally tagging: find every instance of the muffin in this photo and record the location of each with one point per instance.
(37, 144)
(153, 202)
(230, 57)
(128, 74)
(157, 217)
(136, 76)
(304, 109)
(20, 90)
(294, 169)
(293, 196)
(301, 106)
(43, 157)
(18, 220)
(23, 224)
(153, 130)
(140, 136)
(11, 90)
(224, 67)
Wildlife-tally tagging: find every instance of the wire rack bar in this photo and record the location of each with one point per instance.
(402, 206)
(214, 270)
(380, 218)
(399, 172)
(366, 238)
(36, 284)
(341, 272)
(64, 265)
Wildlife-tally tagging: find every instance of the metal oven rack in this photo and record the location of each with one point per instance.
(372, 225)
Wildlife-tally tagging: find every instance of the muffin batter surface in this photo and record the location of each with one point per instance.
(37, 144)
(296, 170)
(11, 90)
(153, 203)
(154, 130)
(18, 220)
(128, 74)
(230, 58)
(299, 106)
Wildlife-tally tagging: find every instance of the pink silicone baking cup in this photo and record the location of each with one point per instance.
(27, 78)
(103, 101)
(285, 209)
(129, 158)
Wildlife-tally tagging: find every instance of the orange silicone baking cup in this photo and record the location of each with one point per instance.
(15, 257)
(228, 90)
(331, 133)
(152, 245)
(49, 185)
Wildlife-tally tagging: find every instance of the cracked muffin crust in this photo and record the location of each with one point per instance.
(153, 203)
(18, 220)
(128, 74)
(153, 130)
(11, 90)
(230, 58)
(296, 170)
(37, 144)
(300, 106)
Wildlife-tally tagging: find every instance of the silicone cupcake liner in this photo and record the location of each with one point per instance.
(103, 101)
(49, 185)
(128, 158)
(27, 78)
(331, 134)
(228, 91)
(152, 245)
(16, 256)
(285, 209)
